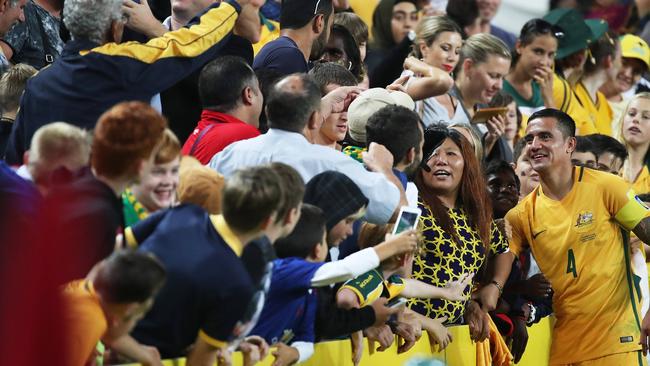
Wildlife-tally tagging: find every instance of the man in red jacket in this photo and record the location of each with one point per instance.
(232, 104)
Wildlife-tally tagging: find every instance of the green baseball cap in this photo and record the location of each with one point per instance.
(577, 34)
(598, 28)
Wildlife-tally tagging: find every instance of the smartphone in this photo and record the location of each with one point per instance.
(396, 302)
(408, 219)
(483, 114)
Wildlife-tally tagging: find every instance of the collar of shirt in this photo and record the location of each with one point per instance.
(74, 46)
(276, 133)
(214, 117)
(227, 235)
(402, 177)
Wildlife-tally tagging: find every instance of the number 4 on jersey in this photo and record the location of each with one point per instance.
(571, 263)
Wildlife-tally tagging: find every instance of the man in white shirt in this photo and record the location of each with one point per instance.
(295, 111)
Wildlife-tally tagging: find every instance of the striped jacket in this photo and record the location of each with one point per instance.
(88, 79)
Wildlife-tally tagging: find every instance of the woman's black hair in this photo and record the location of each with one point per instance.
(531, 30)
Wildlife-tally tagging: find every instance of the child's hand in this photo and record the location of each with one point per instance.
(404, 242)
(455, 289)
(356, 340)
(438, 334)
(285, 355)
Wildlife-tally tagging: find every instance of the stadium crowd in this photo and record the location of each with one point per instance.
(194, 178)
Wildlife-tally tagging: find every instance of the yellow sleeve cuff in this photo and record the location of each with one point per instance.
(211, 341)
(129, 238)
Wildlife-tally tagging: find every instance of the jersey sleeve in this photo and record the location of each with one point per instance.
(516, 239)
(395, 285)
(227, 315)
(367, 287)
(294, 274)
(163, 61)
(138, 233)
(622, 203)
(305, 330)
(498, 242)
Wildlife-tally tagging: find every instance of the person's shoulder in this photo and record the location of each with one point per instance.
(604, 180)
(524, 207)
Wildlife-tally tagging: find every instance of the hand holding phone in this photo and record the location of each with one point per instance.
(407, 219)
(484, 114)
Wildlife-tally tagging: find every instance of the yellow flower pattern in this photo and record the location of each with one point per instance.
(443, 260)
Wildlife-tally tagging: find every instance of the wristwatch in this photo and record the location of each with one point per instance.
(498, 285)
(531, 315)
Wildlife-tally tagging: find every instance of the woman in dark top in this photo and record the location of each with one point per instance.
(458, 230)
(393, 27)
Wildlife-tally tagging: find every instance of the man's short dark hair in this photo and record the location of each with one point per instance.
(607, 144)
(293, 186)
(129, 276)
(289, 108)
(296, 14)
(250, 197)
(308, 233)
(326, 73)
(584, 144)
(222, 81)
(396, 128)
(564, 122)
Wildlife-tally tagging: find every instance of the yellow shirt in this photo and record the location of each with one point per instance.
(365, 9)
(579, 246)
(270, 31)
(600, 112)
(565, 100)
(85, 319)
(641, 184)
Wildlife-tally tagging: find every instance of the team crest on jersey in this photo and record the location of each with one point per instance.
(585, 218)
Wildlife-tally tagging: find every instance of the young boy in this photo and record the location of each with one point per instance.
(206, 303)
(108, 303)
(289, 313)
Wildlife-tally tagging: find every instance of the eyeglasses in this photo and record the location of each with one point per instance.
(540, 26)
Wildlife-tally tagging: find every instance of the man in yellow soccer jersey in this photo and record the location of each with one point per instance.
(577, 223)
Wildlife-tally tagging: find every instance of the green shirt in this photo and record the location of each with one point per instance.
(535, 101)
(133, 210)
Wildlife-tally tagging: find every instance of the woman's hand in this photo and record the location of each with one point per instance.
(477, 319)
(544, 78)
(419, 67)
(496, 128)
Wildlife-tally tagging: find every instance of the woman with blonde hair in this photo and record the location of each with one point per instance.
(435, 55)
(635, 135)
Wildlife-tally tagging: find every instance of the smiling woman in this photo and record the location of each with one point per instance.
(635, 132)
(456, 222)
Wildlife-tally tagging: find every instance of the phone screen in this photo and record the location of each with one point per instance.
(407, 220)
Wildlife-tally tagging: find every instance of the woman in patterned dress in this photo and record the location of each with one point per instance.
(458, 232)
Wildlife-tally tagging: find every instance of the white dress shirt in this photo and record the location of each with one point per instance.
(309, 160)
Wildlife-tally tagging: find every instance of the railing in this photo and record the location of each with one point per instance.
(461, 352)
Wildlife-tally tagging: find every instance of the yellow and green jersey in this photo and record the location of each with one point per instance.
(580, 244)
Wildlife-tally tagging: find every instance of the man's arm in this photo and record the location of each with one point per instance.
(642, 230)
(248, 25)
(146, 67)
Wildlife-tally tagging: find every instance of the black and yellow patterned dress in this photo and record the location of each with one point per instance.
(443, 260)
